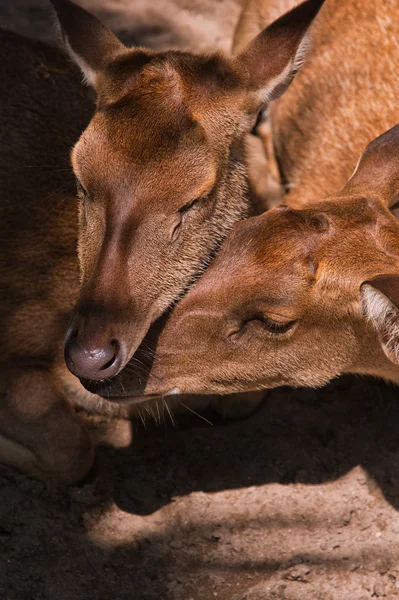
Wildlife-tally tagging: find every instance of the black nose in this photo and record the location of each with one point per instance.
(92, 361)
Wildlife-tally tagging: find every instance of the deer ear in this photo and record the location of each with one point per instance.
(380, 304)
(90, 44)
(377, 172)
(274, 56)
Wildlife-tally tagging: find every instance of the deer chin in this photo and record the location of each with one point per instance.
(128, 399)
(132, 399)
(131, 389)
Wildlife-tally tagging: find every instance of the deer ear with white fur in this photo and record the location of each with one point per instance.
(380, 305)
(273, 57)
(90, 44)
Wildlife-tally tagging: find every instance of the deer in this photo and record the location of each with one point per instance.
(295, 297)
(293, 332)
(158, 145)
(147, 227)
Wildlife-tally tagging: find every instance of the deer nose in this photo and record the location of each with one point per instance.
(92, 361)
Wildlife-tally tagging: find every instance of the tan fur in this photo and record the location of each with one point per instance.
(255, 16)
(263, 173)
(344, 96)
(336, 106)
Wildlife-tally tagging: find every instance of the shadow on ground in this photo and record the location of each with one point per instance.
(298, 436)
(186, 511)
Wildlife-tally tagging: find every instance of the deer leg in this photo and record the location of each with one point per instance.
(40, 433)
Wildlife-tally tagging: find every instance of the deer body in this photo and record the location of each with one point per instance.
(43, 111)
(344, 97)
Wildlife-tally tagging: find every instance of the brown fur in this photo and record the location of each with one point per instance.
(262, 168)
(255, 16)
(330, 113)
(168, 129)
(336, 107)
(162, 169)
(38, 266)
(295, 297)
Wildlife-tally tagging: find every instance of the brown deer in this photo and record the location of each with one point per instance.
(295, 296)
(330, 113)
(160, 171)
(161, 181)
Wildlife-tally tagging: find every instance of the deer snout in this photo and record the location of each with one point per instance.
(96, 358)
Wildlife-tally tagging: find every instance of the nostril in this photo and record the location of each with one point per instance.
(116, 348)
(90, 359)
(108, 364)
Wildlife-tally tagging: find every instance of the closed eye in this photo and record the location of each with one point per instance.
(188, 206)
(272, 326)
(184, 209)
(262, 324)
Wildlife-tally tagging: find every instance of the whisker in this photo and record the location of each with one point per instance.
(142, 418)
(172, 419)
(197, 414)
(158, 420)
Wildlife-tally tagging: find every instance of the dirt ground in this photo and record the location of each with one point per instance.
(297, 502)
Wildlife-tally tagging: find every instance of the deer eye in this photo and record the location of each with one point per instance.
(262, 324)
(184, 209)
(176, 226)
(271, 325)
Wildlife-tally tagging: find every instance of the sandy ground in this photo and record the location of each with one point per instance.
(298, 502)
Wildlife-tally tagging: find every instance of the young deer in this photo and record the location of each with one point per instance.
(161, 181)
(161, 172)
(43, 110)
(295, 296)
(331, 112)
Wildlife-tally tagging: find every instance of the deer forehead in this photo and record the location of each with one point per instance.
(154, 160)
(170, 117)
(180, 82)
(272, 270)
(186, 79)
